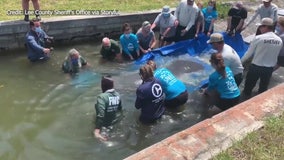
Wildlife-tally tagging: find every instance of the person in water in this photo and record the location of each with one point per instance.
(222, 81)
(174, 89)
(149, 96)
(73, 62)
(36, 49)
(108, 107)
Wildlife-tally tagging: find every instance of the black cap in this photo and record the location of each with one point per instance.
(106, 83)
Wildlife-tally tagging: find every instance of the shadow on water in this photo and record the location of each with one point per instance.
(46, 114)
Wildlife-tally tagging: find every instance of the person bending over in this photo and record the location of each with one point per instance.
(174, 89)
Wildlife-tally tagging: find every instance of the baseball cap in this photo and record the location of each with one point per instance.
(265, 22)
(265, 0)
(281, 20)
(145, 23)
(215, 37)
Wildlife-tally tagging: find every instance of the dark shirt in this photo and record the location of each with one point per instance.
(237, 15)
(110, 53)
(150, 98)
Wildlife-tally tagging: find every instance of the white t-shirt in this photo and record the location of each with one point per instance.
(264, 49)
(232, 59)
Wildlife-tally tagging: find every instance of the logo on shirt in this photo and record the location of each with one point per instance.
(157, 90)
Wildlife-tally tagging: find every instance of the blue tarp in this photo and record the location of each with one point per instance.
(195, 47)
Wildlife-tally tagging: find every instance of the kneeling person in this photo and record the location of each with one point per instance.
(73, 62)
(110, 49)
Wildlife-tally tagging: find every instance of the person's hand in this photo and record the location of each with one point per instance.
(208, 34)
(131, 58)
(46, 50)
(196, 35)
(176, 23)
(99, 136)
(183, 32)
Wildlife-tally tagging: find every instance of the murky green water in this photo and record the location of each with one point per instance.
(48, 115)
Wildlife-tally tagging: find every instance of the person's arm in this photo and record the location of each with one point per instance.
(139, 99)
(250, 52)
(229, 21)
(35, 46)
(215, 16)
(136, 45)
(153, 42)
(253, 17)
(240, 25)
(83, 61)
(100, 115)
(192, 19)
(210, 30)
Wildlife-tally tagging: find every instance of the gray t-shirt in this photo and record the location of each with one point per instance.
(144, 41)
(165, 23)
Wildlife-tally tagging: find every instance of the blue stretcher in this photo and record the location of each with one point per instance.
(195, 47)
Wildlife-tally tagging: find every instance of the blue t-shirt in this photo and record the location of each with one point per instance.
(171, 85)
(226, 87)
(208, 16)
(129, 45)
(150, 98)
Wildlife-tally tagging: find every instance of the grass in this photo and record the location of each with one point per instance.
(121, 6)
(266, 143)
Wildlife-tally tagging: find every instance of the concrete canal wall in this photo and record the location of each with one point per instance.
(72, 28)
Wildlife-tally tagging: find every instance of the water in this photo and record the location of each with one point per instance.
(46, 114)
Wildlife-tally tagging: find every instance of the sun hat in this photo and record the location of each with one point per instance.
(266, 22)
(215, 37)
(166, 10)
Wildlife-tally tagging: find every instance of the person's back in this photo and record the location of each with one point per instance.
(226, 87)
(108, 102)
(232, 59)
(108, 107)
(150, 96)
(171, 85)
(267, 49)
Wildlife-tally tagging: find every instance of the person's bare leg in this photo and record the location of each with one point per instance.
(25, 6)
(36, 8)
